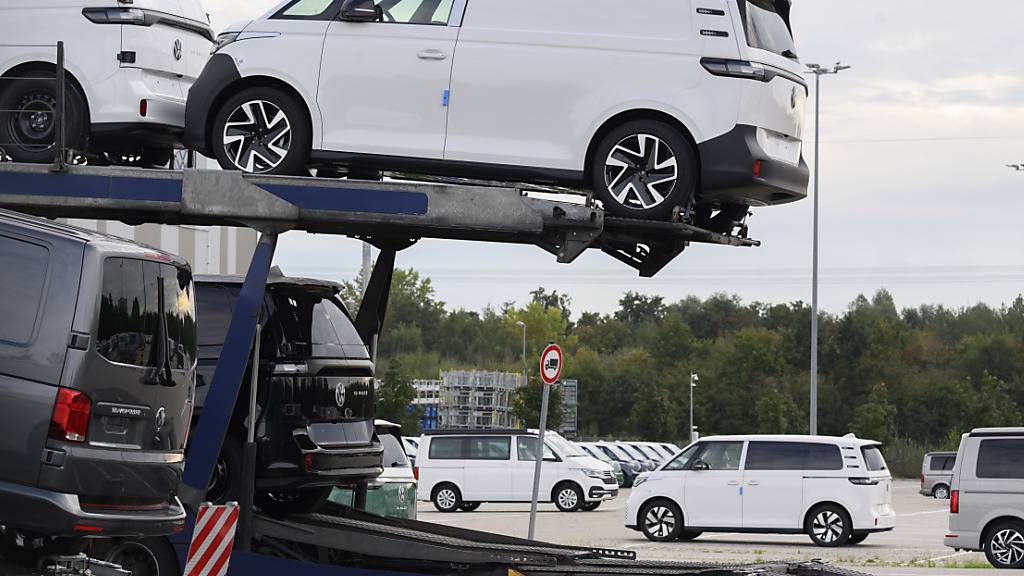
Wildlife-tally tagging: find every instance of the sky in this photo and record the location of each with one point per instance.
(915, 194)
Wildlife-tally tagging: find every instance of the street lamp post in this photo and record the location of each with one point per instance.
(693, 384)
(818, 72)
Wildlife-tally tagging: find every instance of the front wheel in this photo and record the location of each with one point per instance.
(568, 498)
(661, 521)
(829, 526)
(1004, 545)
(644, 169)
(262, 131)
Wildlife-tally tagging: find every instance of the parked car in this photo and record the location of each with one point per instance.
(630, 467)
(129, 67)
(987, 499)
(393, 493)
(620, 477)
(411, 445)
(528, 99)
(97, 376)
(315, 394)
(937, 474)
(836, 490)
(646, 462)
(653, 450)
(458, 470)
(670, 448)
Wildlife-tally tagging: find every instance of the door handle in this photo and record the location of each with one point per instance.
(432, 55)
(753, 483)
(734, 483)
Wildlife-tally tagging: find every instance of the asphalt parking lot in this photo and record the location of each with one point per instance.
(915, 547)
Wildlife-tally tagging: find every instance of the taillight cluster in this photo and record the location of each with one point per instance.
(954, 502)
(70, 420)
(416, 472)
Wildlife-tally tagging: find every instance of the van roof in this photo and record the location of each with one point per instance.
(469, 431)
(106, 242)
(997, 432)
(795, 438)
(276, 278)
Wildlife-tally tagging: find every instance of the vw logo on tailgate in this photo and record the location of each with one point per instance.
(177, 49)
(339, 394)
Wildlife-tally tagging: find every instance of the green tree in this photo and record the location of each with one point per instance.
(395, 395)
(527, 403)
(876, 418)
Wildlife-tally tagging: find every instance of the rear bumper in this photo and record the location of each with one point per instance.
(219, 73)
(727, 172)
(965, 540)
(330, 467)
(117, 102)
(58, 514)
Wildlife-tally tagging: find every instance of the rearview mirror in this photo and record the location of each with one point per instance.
(360, 11)
(701, 466)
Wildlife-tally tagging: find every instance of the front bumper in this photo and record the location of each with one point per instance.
(602, 493)
(728, 174)
(219, 73)
(58, 514)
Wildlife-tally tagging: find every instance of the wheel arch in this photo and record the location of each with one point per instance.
(631, 115)
(254, 82)
(991, 524)
(44, 66)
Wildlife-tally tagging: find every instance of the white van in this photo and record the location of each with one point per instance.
(129, 66)
(986, 507)
(836, 490)
(652, 104)
(458, 470)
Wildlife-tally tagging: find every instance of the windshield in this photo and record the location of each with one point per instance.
(633, 452)
(562, 446)
(599, 454)
(767, 24)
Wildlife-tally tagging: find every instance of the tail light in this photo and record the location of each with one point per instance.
(70, 421)
(307, 461)
(864, 481)
(922, 480)
(954, 502)
(416, 472)
(143, 108)
(757, 168)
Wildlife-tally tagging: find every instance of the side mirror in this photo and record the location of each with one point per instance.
(701, 466)
(360, 11)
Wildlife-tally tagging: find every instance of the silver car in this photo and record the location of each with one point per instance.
(937, 473)
(987, 498)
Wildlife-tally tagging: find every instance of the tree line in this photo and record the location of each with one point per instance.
(913, 378)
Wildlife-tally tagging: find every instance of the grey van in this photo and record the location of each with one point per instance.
(315, 395)
(937, 474)
(987, 498)
(97, 376)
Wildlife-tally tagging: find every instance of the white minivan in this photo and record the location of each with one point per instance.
(836, 490)
(655, 105)
(458, 470)
(129, 66)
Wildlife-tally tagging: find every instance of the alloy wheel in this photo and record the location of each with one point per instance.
(446, 498)
(257, 136)
(942, 493)
(1007, 546)
(32, 122)
(660, 521)
(568, 499)
(641, 171)
(827, 527)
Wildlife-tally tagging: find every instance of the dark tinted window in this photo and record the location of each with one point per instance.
(394, 453)
(873, 459)
(214, 306)
(180, 314)
(1001, 459)
(495, 448)
(793, 456)
(942, 463)
(767, 24)
(314, 326)
(21, 283)
(446, 448)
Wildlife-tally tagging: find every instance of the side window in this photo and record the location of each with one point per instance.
(1001, 459)
(180, 317)
(307, 9)
(214, 305)
(493, 448)
(22, 282)
(722, 455)
(823, 457)
(526, 449)
(427, 12)
(442, 448)
(776, 456)
(682, 461)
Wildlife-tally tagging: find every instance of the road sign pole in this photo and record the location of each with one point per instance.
(539, 454)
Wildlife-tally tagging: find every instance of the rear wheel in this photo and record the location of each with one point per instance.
(447, 498)
(143, 556)
(941, 492)
(262, 130)
(828, 526)
(28, 126)
(858, 538)
(226, 481)
(285, 502)
(568, 497)
(661, 521)
(644, 169)
(1004, 545)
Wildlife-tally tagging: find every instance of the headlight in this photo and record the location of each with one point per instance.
(639, 480)
(636, 467)
(232, 37)
(592, 473)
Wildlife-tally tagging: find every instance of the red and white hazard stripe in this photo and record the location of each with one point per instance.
(212, 540)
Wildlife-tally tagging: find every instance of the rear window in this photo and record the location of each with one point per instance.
(215, 305)
(314, 326)
(767, 26)
(24, 276)
(135, 295)
(394, 454)
(942, 463)
(793, 456)
(873, 459)
(1001, 459)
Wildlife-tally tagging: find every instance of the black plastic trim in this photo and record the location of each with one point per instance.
(137, 132)
(997, 434)
(727, 172)
(219, 73)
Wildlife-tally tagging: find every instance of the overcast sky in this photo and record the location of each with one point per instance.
(915, 196)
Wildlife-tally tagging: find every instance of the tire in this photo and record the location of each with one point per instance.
(568, 497)
(262, 130)
(858, 538)
(941, 492)
(288, 502)
(141, 556)
(27, 133)
(688, 535)
(828, 526)
(661, 521)
(590, 506)
(644, 169)
(157, 157)
(1004, 545)
(447, 498)
(469, 506)
(226, 482)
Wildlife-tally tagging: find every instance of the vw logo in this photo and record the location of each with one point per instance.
(177, 49)
(401, 492)
(793, 99)
(161, 418)
(339, 394)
